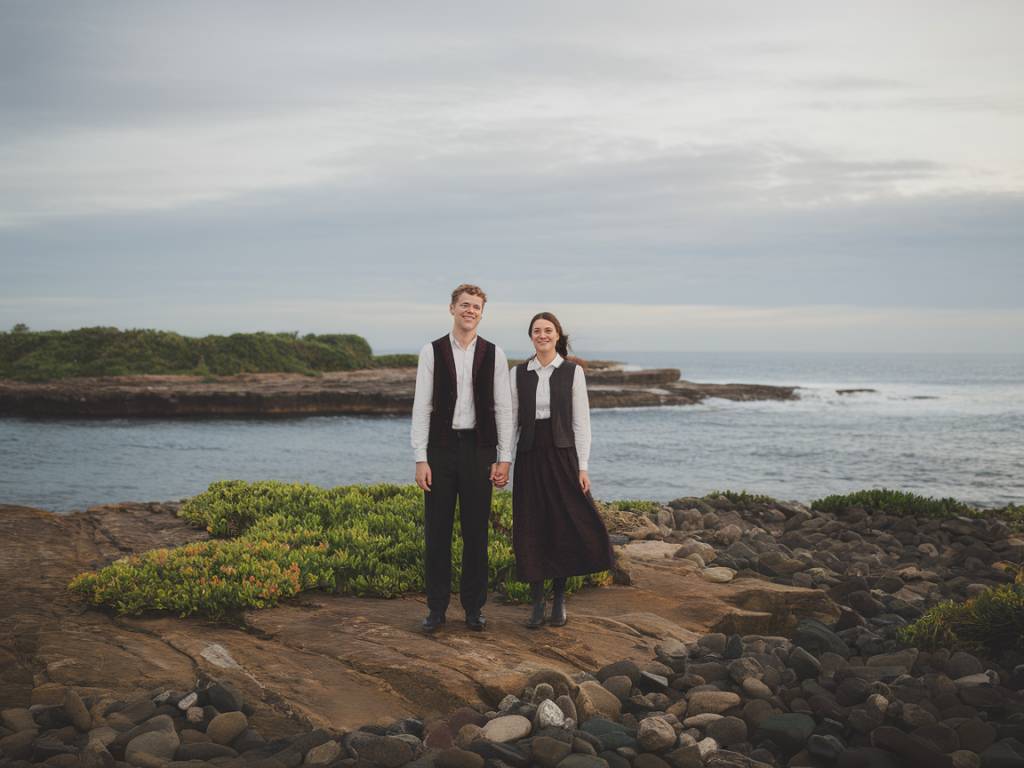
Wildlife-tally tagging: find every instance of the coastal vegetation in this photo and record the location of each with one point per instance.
(991, 622)
(903, 503)
(273, 540)
(101, 351)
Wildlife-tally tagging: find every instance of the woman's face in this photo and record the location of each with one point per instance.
(543, 335)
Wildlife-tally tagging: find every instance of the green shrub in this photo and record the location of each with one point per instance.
(274, 540)
(893, 503)
(396, 361)
(993, 622)
(40, 355)
(904, 503)
(741, 498)
(639, 506)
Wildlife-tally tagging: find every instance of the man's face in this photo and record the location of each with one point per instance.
(467, 311)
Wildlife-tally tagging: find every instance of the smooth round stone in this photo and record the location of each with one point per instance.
(548, 752)
(718, 574)
(104, 735)
(77, 711)
(507, 728)
(188, 701)
(467, 734)
(594, 700)
(962, 664)
(647, 760)
(715, 702)
(159, 744)
(549, 715)
(387, 751)
(790, 731)
(628, 668)
(459, 758)
(225, 728)
(963, 758)
(225, 697)
(577, 760)
(195, 715)
(727, 731)
(655, 734)
(323, 754)
(744, 669)
(975, 735)
(620, 686)
(701, 721)
(756, 689)
(203, 751)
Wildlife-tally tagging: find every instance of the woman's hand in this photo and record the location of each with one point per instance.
(584, 481)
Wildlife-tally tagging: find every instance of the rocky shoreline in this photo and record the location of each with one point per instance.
(803, 668)
(381, 391)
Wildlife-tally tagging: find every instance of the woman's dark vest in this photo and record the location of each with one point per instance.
(561, 404)
(446, 390)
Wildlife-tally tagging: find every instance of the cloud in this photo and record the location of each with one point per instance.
(679, 153)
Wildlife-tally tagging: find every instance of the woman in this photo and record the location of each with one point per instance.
(556, 531)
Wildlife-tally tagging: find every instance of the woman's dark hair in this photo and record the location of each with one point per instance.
(562, 345)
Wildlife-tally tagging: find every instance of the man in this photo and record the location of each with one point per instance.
(462, 439)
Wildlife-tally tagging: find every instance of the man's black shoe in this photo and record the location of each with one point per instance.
(434, 620)
(476, 621)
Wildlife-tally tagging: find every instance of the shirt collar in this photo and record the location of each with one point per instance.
(535, 365)
(456, 345)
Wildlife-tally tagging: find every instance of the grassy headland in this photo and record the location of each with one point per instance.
(41, 355)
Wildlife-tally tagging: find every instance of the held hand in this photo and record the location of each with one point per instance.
(423, 477)
(499, 474)
(584, 481)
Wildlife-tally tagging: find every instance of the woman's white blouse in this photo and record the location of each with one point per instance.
(580, 405)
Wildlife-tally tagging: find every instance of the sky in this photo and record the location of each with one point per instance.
(713, 176)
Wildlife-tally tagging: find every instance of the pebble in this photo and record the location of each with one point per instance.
(225, 728)
(718, 574)
(77, 711)
(548, 752)
(549, 715)
(655, 734)
(507, 728)
(323, 754)
(160, 744)
(460, 758)
(715, 702)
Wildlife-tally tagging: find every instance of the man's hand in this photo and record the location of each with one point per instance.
(499, 474)
(584, 481)
(423, 477)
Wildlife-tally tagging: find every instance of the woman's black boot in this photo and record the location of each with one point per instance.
(558, 617)
(537, 593)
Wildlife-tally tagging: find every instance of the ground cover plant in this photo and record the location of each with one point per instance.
(993, 621)
(41, 355)
(273, 540)
(903, 503)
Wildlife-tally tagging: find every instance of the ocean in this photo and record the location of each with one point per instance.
(938, 425)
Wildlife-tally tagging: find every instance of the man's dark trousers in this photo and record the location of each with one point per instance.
(459, 468)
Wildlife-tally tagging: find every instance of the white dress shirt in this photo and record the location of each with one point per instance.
(580, 405)
(465, 408)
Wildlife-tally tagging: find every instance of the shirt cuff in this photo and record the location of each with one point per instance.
(583, 467)
(505, 457)
(421, 455)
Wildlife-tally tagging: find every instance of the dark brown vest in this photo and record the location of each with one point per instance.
(446, 391)
(561, 404)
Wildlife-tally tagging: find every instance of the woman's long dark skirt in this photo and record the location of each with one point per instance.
(556, 530)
